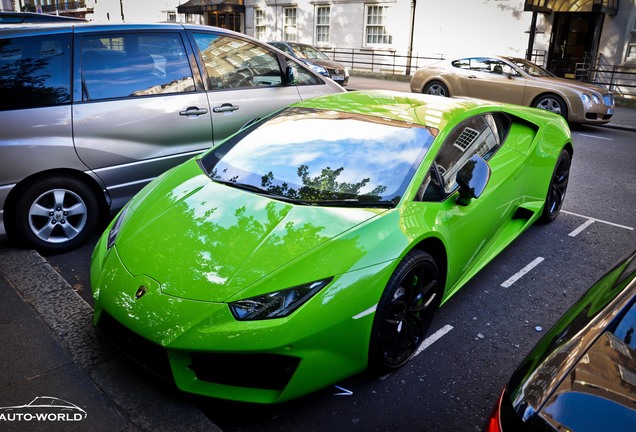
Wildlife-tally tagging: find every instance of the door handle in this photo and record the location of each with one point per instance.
(226, 107)
(472, 77)
(193, 111)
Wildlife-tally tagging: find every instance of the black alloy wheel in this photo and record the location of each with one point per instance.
(558, 187)
(405, 312)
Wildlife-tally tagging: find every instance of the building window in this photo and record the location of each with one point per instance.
(323, 21)
(375, 29)
(289, 24)
(171, 16)
(260, 27)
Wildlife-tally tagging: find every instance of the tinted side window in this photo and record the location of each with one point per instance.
(482, 135)
(304, 76)
(35, 71)
(236, 63)
(129, 65)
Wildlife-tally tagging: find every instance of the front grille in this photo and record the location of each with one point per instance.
(143, 352)
(259, 371)
(608, 99)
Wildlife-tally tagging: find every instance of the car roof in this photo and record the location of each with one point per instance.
(79, 26)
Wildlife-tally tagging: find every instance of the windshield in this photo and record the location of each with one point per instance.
(309, 52)
(530, 68)
(321, 157)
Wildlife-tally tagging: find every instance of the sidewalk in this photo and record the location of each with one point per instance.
(50, 348)
(624, 118)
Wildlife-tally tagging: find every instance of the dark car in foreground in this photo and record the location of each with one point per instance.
(582, 375)
(316, 60)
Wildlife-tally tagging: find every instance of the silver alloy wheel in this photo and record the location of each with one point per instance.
(57, 216)
(436, 89)
(550, 104)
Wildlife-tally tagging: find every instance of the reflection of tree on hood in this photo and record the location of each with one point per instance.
(322, 187)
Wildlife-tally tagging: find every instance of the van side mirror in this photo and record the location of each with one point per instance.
(472, 179)
(291, 76)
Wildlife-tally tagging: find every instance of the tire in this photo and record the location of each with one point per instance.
(436, 88)
(405, 312)
(558, 187)
(55, 215)
(552, 103)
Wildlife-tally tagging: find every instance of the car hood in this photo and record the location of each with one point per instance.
(206, 241)
(574, 85)
(326, 63)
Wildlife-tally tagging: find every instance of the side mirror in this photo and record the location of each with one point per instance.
(291, 76)
(472, 179)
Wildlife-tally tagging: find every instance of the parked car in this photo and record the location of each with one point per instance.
(517, 81)
(89, 114)
(316, 60)
(321, 241)
(581, 376)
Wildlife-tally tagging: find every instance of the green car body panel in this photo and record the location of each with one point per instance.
(194, 246)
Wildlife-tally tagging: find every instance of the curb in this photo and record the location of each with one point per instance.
(70, 318)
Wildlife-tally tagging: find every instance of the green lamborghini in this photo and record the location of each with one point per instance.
(319, 242)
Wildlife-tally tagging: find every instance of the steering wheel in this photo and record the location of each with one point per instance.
(242, 77)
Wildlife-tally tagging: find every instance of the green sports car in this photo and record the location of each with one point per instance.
(319, 242)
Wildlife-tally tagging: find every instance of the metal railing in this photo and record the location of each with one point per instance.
(379, 61)
(620, 79)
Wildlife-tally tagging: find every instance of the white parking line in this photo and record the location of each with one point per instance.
(522, 272)
(589, 222)
(597, 137)
(581, 228)
(433, 338)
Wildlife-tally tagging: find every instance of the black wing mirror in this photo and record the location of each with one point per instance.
(291, 76)
(472, 179)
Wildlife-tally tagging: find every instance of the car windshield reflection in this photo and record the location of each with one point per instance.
(323, 158)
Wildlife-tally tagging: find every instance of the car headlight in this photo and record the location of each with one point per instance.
(585, 98)
(277, 304)
(319, 69)
(595, 98)
(114, 231)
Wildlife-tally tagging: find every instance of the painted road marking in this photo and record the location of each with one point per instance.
(522, 272)
(433, 338)
(597, 137)
(589, 222)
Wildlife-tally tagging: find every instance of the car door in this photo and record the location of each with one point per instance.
(471, 229)
(244, 81)
(137, 110)
(493, 79)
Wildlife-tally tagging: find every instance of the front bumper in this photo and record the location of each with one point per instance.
(207, 352)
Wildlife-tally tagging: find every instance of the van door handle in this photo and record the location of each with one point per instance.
(193, 111)
(226, 107)
(472, 77)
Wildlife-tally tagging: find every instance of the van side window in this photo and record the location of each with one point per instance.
(237, 63)
(130, 65)
(35, 72)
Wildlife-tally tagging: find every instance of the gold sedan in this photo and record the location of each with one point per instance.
(517, 81)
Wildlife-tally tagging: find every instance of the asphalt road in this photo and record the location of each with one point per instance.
(484, 330)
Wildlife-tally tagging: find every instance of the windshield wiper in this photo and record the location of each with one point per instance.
(261, 191)
(353, 202)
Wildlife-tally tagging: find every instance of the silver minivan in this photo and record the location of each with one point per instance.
(90, 113)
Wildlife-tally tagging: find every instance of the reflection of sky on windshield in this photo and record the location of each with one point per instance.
(383, 153)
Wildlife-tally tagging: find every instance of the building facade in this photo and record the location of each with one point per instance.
(559, 34)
